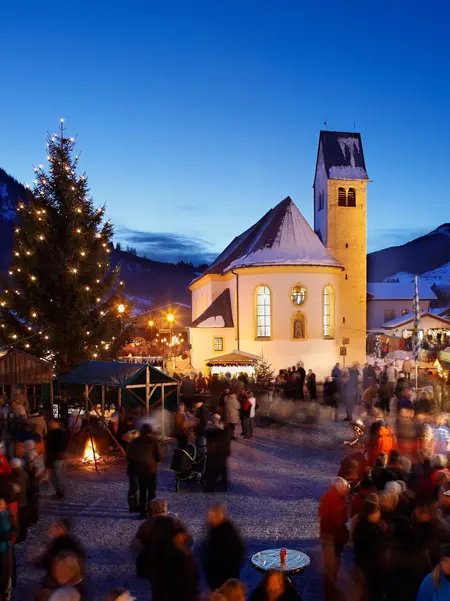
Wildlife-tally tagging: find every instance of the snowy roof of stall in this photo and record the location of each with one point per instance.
(343, 155)
(398, 291)
(234, 358)
(217, 315)
(409, 317)
(281, 237)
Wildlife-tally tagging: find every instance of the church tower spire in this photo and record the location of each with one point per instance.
(340, 221)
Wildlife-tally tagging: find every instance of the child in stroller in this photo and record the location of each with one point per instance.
(188, 464)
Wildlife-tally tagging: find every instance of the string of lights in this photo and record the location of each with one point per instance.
(61, 273)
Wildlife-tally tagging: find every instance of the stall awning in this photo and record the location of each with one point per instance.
(234, 358)
(114, 374)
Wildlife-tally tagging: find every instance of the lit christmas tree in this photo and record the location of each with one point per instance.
(61, 300)
(263, 371)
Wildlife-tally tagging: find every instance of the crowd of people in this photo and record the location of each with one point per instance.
(391, 504)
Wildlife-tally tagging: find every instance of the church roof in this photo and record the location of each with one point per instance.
(218, 314)
(343, 155)
(281, 237)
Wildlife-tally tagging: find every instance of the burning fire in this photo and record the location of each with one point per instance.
(89, 449)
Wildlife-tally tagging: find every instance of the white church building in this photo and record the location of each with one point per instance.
(286, 290)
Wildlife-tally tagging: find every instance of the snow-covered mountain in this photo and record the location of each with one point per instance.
(427, 256)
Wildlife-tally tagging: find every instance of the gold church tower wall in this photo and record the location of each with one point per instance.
(340, 218)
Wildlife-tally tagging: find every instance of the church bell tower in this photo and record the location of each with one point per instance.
(340, 221)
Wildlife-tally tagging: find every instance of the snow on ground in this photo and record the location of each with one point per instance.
(276, 484)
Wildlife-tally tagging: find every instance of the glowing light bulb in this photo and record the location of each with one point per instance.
(121, 308)
(87, 333)
(62, 120)
(95, 355)
(46, 337)
(34, 314)
(98, 235)
(87, 288)
(41, 237)
(14, 336)
(78, 210)
(32, 278)
(27, 346)
(78, 230)
(102, 312)
(98, 299)
(97, 281)
(121, 283)
(74, 270)
(10, 273)
(28, 253)
(17, 254)
(83, 253)
(17, 230)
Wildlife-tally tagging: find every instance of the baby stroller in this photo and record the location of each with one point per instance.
(188, 465)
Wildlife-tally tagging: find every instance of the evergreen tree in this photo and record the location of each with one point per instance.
(263, 370)
(61, 299)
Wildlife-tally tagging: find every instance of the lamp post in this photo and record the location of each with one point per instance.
(151, 323)
(170, 319)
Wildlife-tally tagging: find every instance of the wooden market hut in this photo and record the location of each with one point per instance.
(19, 369)
(139, 383)
(234, 361)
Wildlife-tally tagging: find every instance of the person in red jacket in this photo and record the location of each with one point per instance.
(333, 514)
(5, 468)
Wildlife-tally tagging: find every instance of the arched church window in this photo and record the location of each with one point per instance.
(351, 197)
(298, 295)
(342, 197)
(263, 312)
(299, 326)
(328, 312)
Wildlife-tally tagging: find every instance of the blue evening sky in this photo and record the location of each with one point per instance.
(194, 117)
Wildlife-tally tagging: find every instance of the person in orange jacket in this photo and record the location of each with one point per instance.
(333, 514)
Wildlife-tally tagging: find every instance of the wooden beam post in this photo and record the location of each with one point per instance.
(119, 398)
(86, 397)
(163, 417)
(147, 391)
(51, 397)
(103, 402)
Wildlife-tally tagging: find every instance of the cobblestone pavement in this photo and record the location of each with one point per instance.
(276, 483)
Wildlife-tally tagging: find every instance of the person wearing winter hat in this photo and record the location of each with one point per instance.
(436, 586)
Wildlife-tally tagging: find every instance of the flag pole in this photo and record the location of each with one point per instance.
(416, 341)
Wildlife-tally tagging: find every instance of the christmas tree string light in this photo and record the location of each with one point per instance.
(51, 319)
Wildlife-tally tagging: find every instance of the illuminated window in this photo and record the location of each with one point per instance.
(218, 343)
(263, 313)
(342, 197)
(298, 295)
(328, 312)
(351, 197)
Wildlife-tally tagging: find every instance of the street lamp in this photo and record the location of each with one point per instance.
(170, 319)
(121, 308)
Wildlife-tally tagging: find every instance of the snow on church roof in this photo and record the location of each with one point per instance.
(281, 237)
(343, 155)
